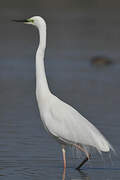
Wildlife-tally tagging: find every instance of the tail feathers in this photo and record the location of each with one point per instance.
(102, 144)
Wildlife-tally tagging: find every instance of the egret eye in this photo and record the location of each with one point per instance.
(31, 20)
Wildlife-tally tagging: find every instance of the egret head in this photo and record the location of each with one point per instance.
(35, 21)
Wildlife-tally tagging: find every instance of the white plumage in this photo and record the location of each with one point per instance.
(71, 127)
(59, 118)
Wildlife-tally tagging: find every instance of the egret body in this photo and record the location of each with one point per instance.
(61, 120)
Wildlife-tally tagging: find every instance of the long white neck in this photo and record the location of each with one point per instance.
(42, 89)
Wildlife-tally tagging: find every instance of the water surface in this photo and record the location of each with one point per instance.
(74, 37)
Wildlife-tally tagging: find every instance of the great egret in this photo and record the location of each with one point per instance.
(60, 119)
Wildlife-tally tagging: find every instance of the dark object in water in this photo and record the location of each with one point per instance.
(101, 61)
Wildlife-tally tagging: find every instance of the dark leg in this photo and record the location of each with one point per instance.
(86, 159)
(82, 163)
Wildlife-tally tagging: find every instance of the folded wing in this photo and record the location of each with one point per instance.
(67, 124)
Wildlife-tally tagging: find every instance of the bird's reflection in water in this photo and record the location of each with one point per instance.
(83, 176)
(63, 175)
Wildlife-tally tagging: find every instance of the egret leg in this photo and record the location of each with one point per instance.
(64, 157)
(87, 156)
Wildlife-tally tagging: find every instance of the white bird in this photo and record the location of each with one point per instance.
(61, 120)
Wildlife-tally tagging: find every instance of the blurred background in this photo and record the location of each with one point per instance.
(83, 68)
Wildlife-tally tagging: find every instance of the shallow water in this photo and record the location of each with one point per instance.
(74, 37)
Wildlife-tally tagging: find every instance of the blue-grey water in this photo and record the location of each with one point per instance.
(75, 35)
